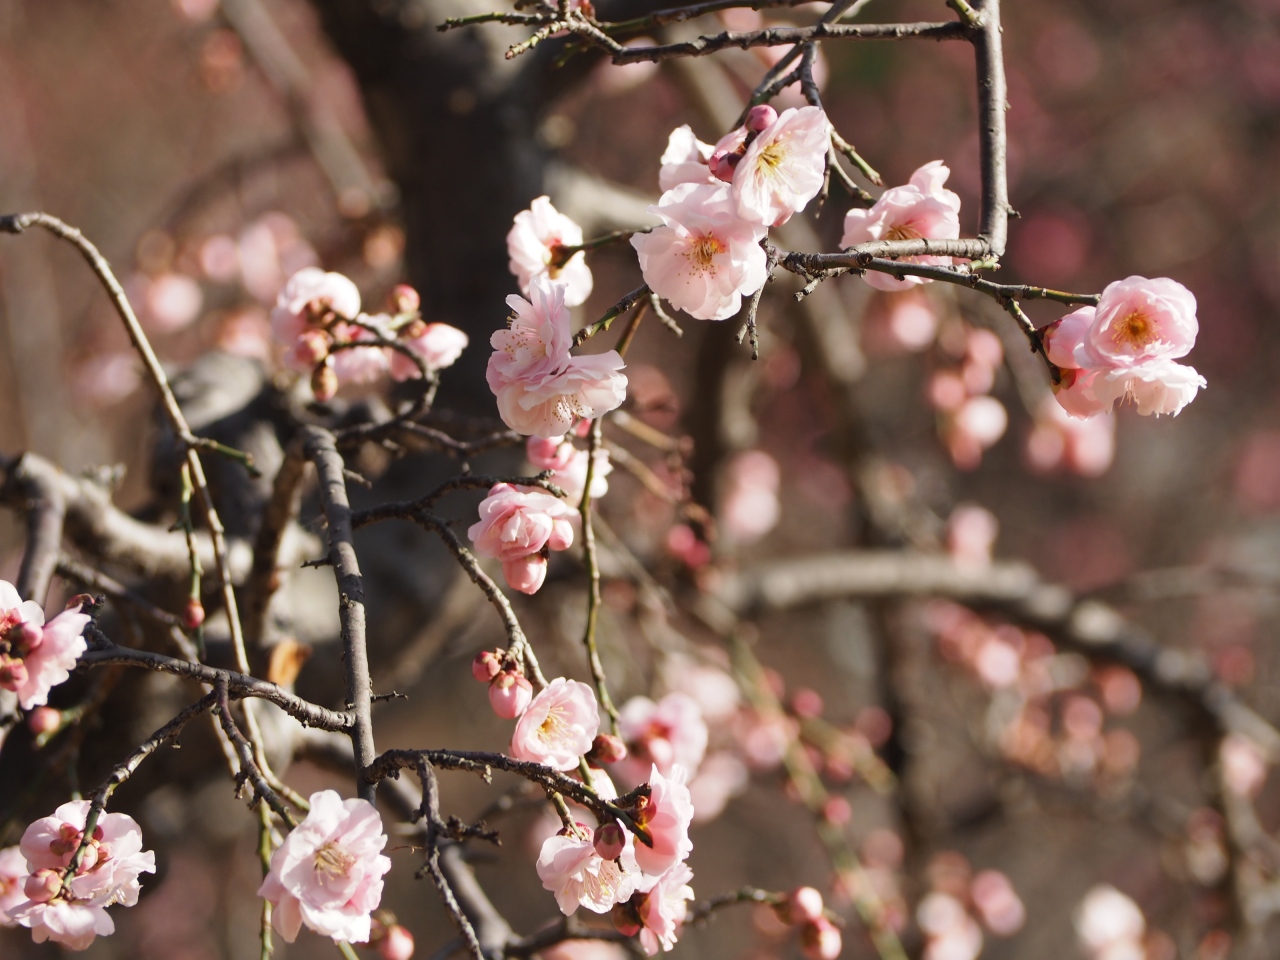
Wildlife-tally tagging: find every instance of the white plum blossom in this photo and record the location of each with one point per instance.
(328, 872)
(36, 656)
(663, 908)
(685, 160)
(536, 238)
(570, 867)
(783, 167)
(704, 258)
(558, 726)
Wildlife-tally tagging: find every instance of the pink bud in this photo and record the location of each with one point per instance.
(485, 666)
(509, 694)
(43, 885)
(405, 299)
(722, 165)
(606, 748)
(610, 841)
(324, 383)
(760, 118)
(397, 944)
(44, 720)
(624, 919)
(193, 614)
(804, 905)
(312, 346)
(13, 672)
(820, 940)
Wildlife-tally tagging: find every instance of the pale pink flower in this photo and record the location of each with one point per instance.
(666, 815)
(539, 386)
(570, 868)
(74, 913)
(13, 871)
(684, 160)
(750, 507)
(1083, 446)
(1156, 387)
(558, 726)
(664, 906)
(922, 209)
(437, 344)
(36, 656)
(783, 167)
(715, 691)
(515, 527)
(704, 258)
(911, 321)
(668, 732)
(549, 453)
(361, 365)
(536, 238)
(971, 534)
(569, 466)
(172, 302)
(305, 298)
(328, 872)
(975, 426)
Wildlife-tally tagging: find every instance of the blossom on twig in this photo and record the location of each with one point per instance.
(557, 728)
(36, 656)
(518, 527)
(534, 243)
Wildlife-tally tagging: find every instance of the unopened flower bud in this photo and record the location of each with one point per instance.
(404, 299)
(312, 346)
(610, 841)
(485, 666)
(193, 614)
(625, 919)
(722, 165)
(820, 940)
(804, 905)
(43, 885)
(324, 383)
(606, 748)
(396, 944)
(760, 118)
(104, 852)
(44, 720)
(509, 694)
(13, 672)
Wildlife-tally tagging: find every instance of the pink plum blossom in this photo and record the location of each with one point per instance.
(516, 526)
(750, 507)
(569, 466)
(558, 726)
(668, 732)
(73, 912)
(704, 258)
(663, 907)
(13, 872)
(783, 167)
(922, 209)
(438, 345)
(539, 386)
(1058, 439)
(307, 297)
(535, 240)
(684, 160)
(36, 656)
(571, 868)
(328, 872)
(666, 815)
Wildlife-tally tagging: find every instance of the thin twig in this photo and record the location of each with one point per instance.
(592, 564)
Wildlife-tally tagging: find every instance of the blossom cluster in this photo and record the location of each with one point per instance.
(720, 201)
(519, 526)
(36, 656)
(39, 891)
(318, 321)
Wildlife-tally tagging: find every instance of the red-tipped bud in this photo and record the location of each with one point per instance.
(396, 943)
(509, 694)
(625, 919)
(43, 885)
(404, 299)
(610, 841)
(806, 703)
(324, 383)
(193, 614)
(312, 346)
(820, 940)
(13, 672)
(760, 118)
(722, 165)
(804, 905)
(485, 666)
(606, 748)
(43, 721)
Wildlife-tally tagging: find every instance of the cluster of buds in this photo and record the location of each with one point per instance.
(17, 640)
(819, 936)
(509, 690)
(36, 656)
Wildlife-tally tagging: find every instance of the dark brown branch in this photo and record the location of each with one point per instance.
(406, 509)
(42, 498)
(239, 685)
(993, 99)
(249, 770)
(434, 828)
(321, 450)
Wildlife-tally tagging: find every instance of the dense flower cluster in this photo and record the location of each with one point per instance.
(518, 526)
(328, 872)
(568, 466)
(1126, 348)
(36, 656)
(72, 910)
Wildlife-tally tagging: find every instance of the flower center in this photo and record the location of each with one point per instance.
(333, 861)
(704, 250)
(903, 231)
(554, 726)
(1135, 330)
